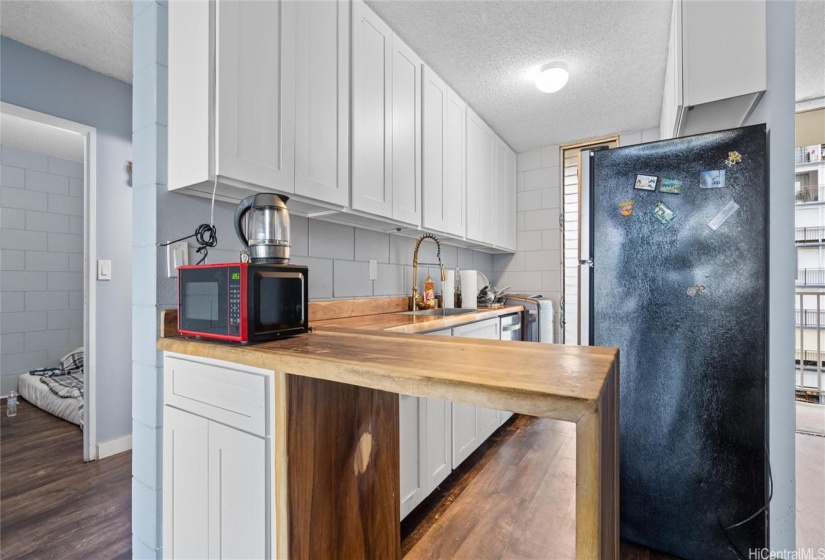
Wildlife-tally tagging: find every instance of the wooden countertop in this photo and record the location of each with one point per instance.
(412, 324)
(548, 380)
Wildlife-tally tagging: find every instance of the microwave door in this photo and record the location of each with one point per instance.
(282, 306)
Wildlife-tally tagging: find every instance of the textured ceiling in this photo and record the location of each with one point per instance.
(30, 135)
(94, 34)
(615, 51)
(810, 49)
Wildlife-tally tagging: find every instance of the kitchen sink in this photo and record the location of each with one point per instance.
(443, 312)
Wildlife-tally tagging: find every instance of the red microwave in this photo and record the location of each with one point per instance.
(242, 302)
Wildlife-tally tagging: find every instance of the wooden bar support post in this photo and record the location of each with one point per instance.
(597, 476)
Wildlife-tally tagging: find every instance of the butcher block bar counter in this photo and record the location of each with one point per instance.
(336, 435)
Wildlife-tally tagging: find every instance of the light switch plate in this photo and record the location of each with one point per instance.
(177, 254)
(104, 270)
(373, 269)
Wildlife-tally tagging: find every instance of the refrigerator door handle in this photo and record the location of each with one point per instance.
(588, 262)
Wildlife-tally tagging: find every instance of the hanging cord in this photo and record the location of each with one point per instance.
(725, 530)
(206, 235)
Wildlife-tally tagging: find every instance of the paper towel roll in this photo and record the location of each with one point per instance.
(469, 289)
(448, 289)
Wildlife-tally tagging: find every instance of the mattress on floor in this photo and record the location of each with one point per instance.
(38, 394)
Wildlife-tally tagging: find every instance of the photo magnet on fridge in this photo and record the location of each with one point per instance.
(712, 179)
(671, 186)
(733, 158)
(626, 207)
(662, 213)
(646, 182)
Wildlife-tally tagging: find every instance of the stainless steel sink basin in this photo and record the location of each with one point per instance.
(443, 312)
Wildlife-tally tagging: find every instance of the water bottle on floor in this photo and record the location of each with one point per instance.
(11, 404)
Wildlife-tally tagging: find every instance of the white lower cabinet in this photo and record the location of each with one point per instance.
(412, 425)
(217, 478)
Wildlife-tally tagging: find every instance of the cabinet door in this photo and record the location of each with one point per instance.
(371, 112)
(185, 484)
(322, 100)
(238, 516)
(499, 218)
(439, 442)
(455, 187)
(480, 158)
(435, 151)
(406, 134)
(412, 416)
(508, 202)
(255, 93)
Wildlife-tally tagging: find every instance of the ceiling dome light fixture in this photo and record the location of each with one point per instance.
(552, 77)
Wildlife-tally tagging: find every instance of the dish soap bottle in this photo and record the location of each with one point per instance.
(429, 292)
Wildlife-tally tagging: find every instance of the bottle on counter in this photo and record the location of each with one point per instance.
(429, 292)
(457, 297)
(11, 404)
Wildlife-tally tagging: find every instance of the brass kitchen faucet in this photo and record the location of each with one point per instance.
(414, 304)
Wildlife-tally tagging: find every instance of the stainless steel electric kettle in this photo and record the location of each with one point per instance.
(262, 225)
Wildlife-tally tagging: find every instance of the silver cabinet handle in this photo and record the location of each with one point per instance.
(511, 328)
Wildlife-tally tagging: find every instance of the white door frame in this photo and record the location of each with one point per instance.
(89, 134)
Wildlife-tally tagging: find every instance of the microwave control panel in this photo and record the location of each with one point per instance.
(234, 299)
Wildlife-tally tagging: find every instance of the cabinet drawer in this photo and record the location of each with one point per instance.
(222, 393)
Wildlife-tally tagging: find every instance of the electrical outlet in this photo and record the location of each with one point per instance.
(373, 269)
(177, 254)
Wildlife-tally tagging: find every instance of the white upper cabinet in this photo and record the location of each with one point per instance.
(506, 192)
(372, 57)
(443, 143)
(406, 134)
(717, 66)
(480, 180)
(498, 218)
(322, 100)
(256, 93)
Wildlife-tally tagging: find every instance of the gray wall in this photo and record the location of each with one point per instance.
(42, 82)
(41, 261)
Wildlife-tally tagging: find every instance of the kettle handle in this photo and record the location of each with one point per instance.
(243, 206)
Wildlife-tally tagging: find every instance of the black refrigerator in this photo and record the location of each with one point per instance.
(674, 252)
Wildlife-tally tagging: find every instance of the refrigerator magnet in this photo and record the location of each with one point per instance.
(662, 213)
(733, 158)
(695, 289)
(726, 213)
(671, 186)
(646, 182)
(626, 207)
(712, 179)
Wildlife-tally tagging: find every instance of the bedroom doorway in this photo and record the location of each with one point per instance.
(49, 290)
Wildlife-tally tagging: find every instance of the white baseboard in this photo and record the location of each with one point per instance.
(114, 446)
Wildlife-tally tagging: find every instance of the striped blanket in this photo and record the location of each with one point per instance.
(63, 383)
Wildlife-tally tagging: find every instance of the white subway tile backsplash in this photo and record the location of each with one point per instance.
(392, 280)
(18, 157)
(551, 281)
(508, 262)
(320, 276)
(47, 301)
(46, 182)
(550, 156)
(46, 221)
(13, 343)
(65, 243)
(13, 365)
(23, 199)
(298, 236)
(67, 167)
(12, 301)
(541, 219)
(330, 240)
(401, 249)
(519, 221)
(449, 255)
(527, 161)
(465, 258)
(12, 260)
(64, 281)
(12, 177)
(539, 179)
(551, 198)
(12, 218)
(21, 239)
(520, 181)
(76, 187)
(60, 204)
(44, 340)
(482, 262)
(351, 279)
(372, 245)
(551, 239)
(44, 261)
(541, 260)
(66, 319)
(528, 200)
(25, 321)
(525, 282)
(528, 241)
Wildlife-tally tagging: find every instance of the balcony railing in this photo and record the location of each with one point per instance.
(810, 318)
(811, 193)
(810, 277)
(810, 344)
(814, 234)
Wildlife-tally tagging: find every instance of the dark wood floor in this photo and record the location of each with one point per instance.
(52, 504)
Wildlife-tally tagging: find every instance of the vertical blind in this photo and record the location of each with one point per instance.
(571, 197)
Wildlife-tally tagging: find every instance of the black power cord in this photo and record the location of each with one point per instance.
(205, 236)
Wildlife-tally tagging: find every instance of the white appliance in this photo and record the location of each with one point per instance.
(537, 319)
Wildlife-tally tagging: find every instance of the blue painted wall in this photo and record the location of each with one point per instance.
(42, 82)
